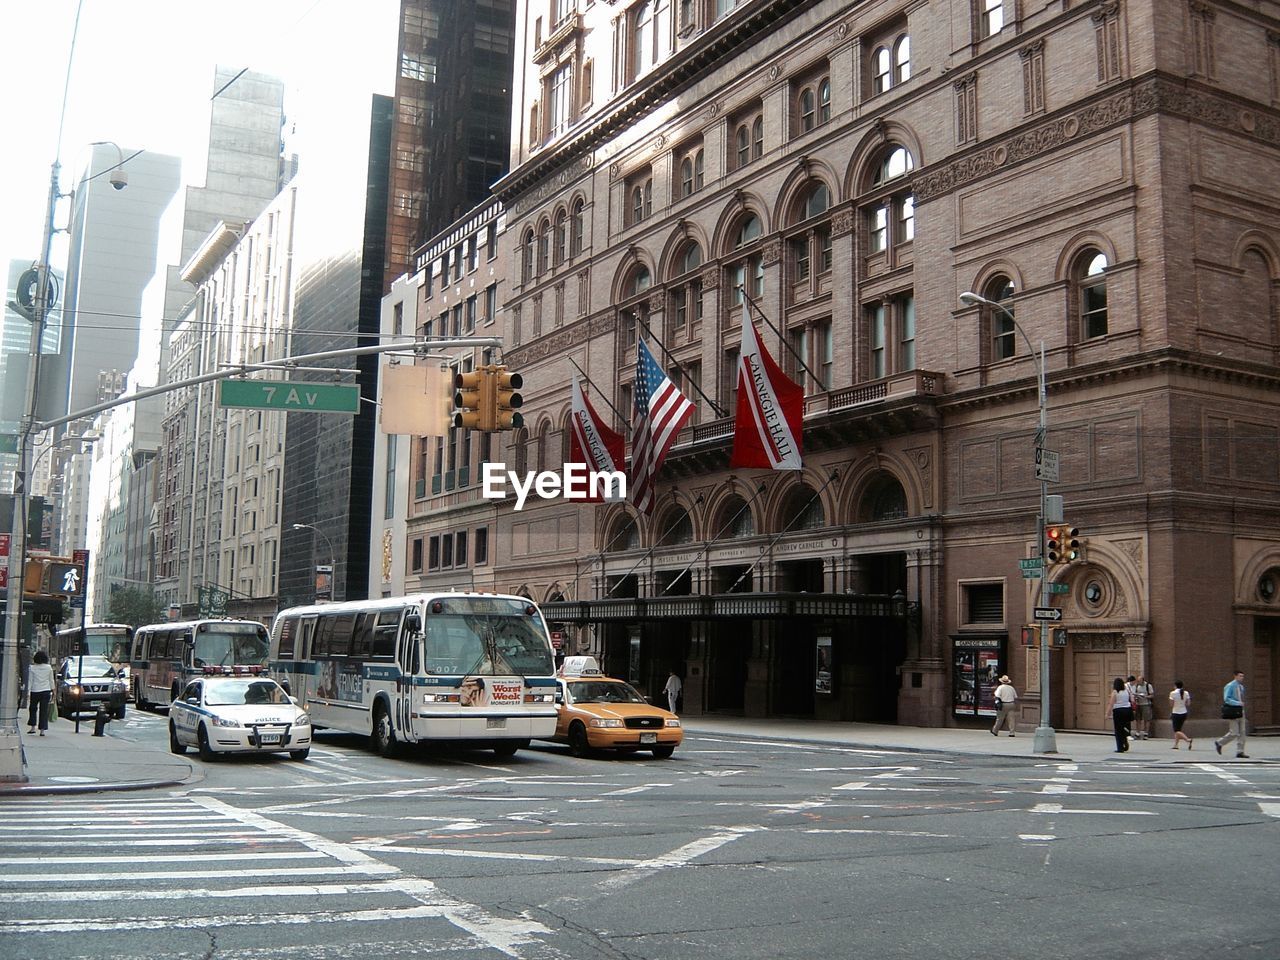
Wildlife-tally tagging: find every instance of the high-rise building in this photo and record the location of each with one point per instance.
(451, 135)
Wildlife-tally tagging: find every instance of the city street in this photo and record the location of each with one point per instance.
(737, 847)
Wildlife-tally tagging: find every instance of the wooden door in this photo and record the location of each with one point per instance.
(1094, 671)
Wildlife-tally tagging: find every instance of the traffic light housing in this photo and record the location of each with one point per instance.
(468, 400)
(507, 399)
(1072, 545)
(1053, 551)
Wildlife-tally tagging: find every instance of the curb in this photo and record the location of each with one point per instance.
(48, 789)
(884, 748)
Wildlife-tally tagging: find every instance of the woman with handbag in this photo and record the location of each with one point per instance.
(1120, 706)
(39, 692)
(1233, 713)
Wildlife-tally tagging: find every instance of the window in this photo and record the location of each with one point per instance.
(481, 553)
(684, 317)
(890, 62)
(902, 59)
(747, 142)
(640, 196)
(389, 480)
(1091, 282)
(561, 242)
(415, 554)
(891, 335)
(690, 170)
(491, 241)
(433, 554)
(1000, 324)
(526, 256)
(811, 247)
(811, 343)
(990, 17)
(811, 99)
(875, 339)
(983, 602)
(490, 303)
(544, 245)
(880, 75)
(563, 8)
(576, 227)
(397, 319)
(560, 100)
(824, 100)
(889, 207)
(460, 549)
(906, 315)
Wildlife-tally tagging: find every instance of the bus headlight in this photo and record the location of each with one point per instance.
(603, 722)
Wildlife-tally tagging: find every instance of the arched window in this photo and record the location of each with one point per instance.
(742, 145)
(817, 199)
(521, 444)
(544, 435)
(675, 527)
(1091, 284)
(895, 164)
(803, 510)
(686, 176)
(637, 203)
(746, 272)
(888, 208)
(757, 138)
(697, 170)
(690, 257)
(734, 520)
(526, 259)
(748, 231)
(561, 237)
(644, 38)
(902, 59)
(810, 248)
(576, 228)
(999, 289)
(808, 110)
(1253, 296)
(685, 294)
(623, 535)
(885, 500)
(639, 282)
(544, 245)
(880, 75)
(824, 100)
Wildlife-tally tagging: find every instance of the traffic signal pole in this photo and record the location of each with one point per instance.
(1045, 741)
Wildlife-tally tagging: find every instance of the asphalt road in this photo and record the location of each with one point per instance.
(732, 849)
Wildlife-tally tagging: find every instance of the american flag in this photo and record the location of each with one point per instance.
(661, 410)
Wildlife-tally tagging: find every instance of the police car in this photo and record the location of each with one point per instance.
(248, 714)
(595, 712)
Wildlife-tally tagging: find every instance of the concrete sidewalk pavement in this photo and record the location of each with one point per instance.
(66, 762)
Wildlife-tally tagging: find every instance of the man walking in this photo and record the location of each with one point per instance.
(672, 690)
(1006, 701)
(1233, 713)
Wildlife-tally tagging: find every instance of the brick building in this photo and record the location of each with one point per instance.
(1104, 171)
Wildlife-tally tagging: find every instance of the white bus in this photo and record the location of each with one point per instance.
(111, 641)
(168, 655)
(427, 668)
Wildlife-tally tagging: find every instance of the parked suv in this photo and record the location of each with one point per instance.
(85, 682)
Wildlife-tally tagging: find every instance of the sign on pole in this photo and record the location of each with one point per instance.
(80, 557)
(294, 396)
(1046, 465)
(1048, 613)
(4, 561)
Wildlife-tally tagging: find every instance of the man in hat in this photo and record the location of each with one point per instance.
(1006, 701)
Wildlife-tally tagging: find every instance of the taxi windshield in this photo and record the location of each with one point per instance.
(225, 693)
(601, 691)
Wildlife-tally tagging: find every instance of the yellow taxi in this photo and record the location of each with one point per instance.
(595, 712)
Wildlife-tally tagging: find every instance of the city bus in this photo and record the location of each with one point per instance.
(167, 655)
(428, 668)
(112, 642)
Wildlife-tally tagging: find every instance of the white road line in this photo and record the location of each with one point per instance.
(676, 858)
(883, 833)
(241, 838)
(1222, 774)
(497, 855)
(234, 920)
(626, 791)
(176, 858)
(1037, 837)
(44, 879)
(1056, 808)
(284, 890)
(1270, 809)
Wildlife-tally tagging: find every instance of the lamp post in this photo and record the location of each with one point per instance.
(328, 543)
(1045, 740)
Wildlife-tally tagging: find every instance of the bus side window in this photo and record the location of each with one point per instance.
(158, 649)
(362, 643)
(384, 635)
(321, 645)
(306, 647)
(288, 631)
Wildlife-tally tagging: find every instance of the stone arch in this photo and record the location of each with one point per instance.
(796, 182)
(673, 524)
(668, 259)
(781, 496)
(882, 134)
(718, 512)
(635, 259)
(863, 480)
(1266, 557)
(1120, 565)
(613, 539)
(994, 268)
(730, 217)
(1072, 249)
(1261, 242)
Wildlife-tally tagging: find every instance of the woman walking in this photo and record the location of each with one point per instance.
(1181, 701)
(1120, 706)
(39, 692)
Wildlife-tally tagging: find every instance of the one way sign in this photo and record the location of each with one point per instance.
(1048, 613)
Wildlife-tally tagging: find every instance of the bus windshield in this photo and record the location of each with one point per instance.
(487, 645)
(112, 645)
(225, 645)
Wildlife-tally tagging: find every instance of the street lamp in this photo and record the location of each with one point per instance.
(1045, 739)
(328, 542)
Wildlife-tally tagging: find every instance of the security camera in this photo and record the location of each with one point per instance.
(119, 179)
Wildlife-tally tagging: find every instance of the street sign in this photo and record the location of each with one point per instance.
(1035, 563)
(289, 395)
(1047, 613)
(1046, 465)
(1059, 588)
(1031, 573)
(4, 561)
(82, 558)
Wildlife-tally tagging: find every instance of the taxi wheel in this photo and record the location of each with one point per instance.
(202, 739)
(175, 745)
(299, 754)
(578, 740)
(663, 753)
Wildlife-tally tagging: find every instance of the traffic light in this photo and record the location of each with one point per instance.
(63, 579)
(468, 400)
(1053, 544)
(506, 399)
(33, 577)
(1072, 545)
(1030, 635)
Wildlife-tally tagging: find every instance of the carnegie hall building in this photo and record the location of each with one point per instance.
(1104, 176)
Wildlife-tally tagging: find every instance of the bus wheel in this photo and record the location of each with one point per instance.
(202, 740)
(175, 745)
(578, 740)
(508, 748)
(384, 738)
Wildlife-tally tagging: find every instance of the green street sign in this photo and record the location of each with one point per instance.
(8, 443)
(1034, 563)
(1059, 588)
(1030, 573)
(289, 395)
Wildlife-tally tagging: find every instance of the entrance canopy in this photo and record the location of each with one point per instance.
(755, 606)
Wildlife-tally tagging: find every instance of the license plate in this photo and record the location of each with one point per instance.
(268, 738)
(495, 723)
(648, 738)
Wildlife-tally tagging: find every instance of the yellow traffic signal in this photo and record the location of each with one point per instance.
(507, 399)
(1052, 544)
(468, 400)
(1072, 545)
(33, 577)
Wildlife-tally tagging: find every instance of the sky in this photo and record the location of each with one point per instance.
(142, 73)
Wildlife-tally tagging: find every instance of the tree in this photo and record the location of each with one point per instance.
(135, 606)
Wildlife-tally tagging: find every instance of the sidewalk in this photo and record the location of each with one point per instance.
(63, 761)
(66, 762)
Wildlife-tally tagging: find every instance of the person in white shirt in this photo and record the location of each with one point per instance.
(672, 690)
(1180, 701)
(39, 692)
(1006, 701)
(1120, 709)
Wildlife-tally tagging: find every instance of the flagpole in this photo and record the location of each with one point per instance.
(707, 545)
(667, 353)
(790, 349)
(778, 536)
(600, 394)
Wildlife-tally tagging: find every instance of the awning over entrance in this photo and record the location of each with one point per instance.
(756, 606)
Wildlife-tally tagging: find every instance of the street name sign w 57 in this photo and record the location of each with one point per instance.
(293, 396)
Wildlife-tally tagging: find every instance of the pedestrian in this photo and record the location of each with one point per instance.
(1180, 701)
(1120, 706)
(1233, 713)
(1006, 701)
(39, 692)
(672, 690)
(1142, 707)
